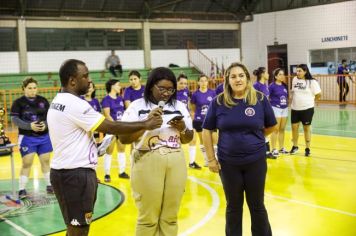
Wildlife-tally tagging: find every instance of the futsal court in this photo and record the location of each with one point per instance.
(304, 196)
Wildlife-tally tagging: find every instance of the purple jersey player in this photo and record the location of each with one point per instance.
(136, 89)
(113, 107)
(279, 101)
(182, 89)
(200, 102)
(29, 113)
(262, 80)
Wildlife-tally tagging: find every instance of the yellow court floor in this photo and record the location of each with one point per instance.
(304, 196)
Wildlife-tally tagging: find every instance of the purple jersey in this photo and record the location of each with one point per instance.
(116, 106)
(219, 89)
(202, 102)
(94, 103)
(183, 96)
(263, 88)
(278, 95)
(131, 94)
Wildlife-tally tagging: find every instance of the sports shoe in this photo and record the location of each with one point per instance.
(49, 189)
(269, 155)
(124, 175)
(194, 165)
(283, 151)
(307, 152)
(294, 150)
(107, 179)
(22, 194)
(105, 144)
(275, 152)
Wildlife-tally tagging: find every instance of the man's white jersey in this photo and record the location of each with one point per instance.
(165, 136)
(71, 122)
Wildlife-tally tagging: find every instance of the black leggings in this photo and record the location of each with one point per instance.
(343, 90)
(236, 180)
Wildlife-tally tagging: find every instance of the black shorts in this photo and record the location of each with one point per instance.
(197, 125)
(75, 191)
(304, 116)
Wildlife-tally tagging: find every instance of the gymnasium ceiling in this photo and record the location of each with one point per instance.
(200, 10)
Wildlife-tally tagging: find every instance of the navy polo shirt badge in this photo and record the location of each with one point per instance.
(250, 111)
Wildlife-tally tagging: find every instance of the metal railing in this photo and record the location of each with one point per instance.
(201, 62)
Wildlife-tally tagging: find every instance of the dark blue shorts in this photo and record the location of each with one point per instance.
(38, 144)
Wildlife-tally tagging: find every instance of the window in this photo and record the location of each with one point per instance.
(177, 39)
(82, 39)
(8, 39)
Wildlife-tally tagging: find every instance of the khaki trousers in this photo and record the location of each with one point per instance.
(158, 180)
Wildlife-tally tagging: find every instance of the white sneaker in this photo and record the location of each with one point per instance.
(275, 153)
(105, 144)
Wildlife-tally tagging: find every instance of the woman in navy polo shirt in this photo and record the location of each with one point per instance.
(243, 117)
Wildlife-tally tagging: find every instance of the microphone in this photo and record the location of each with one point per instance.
(161, 104)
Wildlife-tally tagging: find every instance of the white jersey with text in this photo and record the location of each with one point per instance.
(165, 136)
(71, 122)
(303, 92)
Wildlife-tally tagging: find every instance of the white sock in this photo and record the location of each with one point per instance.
(192, 152)
(121, 159)
(107, 163)
(22, 182)
(202, 148)
(46, 176)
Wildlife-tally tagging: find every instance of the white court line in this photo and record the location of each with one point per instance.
(296, 201)
(212, 211)
(337, 130)
(17, 227)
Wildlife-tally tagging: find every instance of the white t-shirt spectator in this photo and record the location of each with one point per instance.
(166, 136)
(71, 122)
(303, 92)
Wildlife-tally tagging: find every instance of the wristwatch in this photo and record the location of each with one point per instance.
(183, 131)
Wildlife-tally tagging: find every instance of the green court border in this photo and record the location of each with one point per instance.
(122, 195)
(117, 206)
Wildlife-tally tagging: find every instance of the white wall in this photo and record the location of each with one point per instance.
(51, 61)
(301, 29)
(95, 60)
(9, 62)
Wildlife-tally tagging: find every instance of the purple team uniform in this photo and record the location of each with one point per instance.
(116, 106)
(94, 103)
(240, 126)
(131, 94)
(278, 95)
(202, 102)
(30, 110)
(263, 88)
(183, 96)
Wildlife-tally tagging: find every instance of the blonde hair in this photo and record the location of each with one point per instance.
(250, 94)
